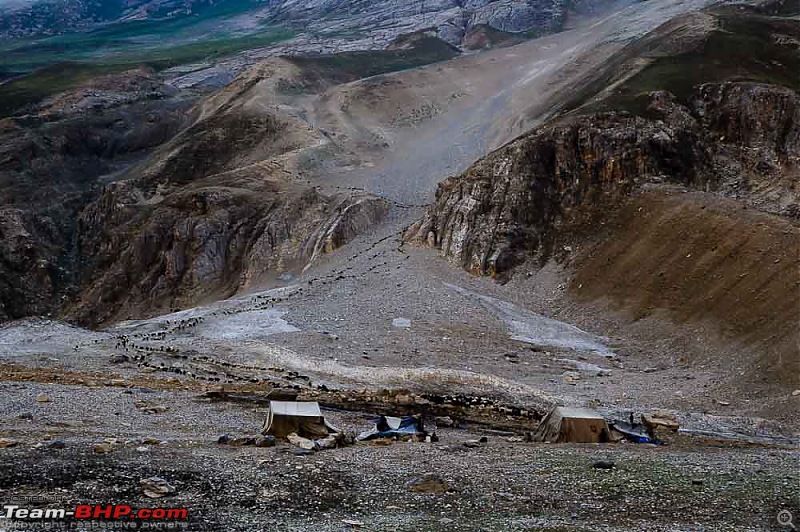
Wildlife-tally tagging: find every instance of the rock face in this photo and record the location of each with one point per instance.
(378, 22)
(118, 200)
(49, 166)
(452, 19)
(217, 209)
(737, 138)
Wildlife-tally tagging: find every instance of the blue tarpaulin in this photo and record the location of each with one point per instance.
(634, 432)
(390, 427)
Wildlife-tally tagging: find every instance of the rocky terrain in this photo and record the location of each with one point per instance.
(380, 21)
(602, 217)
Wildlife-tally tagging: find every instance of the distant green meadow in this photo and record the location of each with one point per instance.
(38, 67)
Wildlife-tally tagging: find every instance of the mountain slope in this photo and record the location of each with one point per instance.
(683, 205)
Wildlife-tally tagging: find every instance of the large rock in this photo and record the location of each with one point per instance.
(429, 483)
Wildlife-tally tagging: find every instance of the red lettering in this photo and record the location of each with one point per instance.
(106, 512)
(84, 511)
(159, 513)
(177, 513)
(121, 511)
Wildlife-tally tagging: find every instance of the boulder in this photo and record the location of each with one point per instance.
(660, 419)
(265, 441)
(156, 487)
(429, 483)
(6, 443)
(302, 443)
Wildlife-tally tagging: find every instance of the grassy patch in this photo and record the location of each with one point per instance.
(43, 83)
(745, 47)
(349, 66)
(105, 47)
(33, 87)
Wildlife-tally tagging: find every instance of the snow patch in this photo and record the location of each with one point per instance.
(532, 328)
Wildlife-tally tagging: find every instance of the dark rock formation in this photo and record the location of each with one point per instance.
(51, 164)
(737, 138)
(118, 200)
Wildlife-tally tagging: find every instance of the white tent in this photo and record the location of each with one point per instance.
(302, 418)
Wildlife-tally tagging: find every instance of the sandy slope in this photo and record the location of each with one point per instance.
(407, 131)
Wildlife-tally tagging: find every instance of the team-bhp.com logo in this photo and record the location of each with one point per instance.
(146, 517)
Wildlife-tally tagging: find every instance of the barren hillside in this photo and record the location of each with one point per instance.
(473, 226)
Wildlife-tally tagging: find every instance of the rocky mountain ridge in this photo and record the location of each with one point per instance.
(737, 138)
(153, 204)
(324, 22)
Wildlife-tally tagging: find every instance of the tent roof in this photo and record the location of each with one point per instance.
(294, 409)
(576, 413)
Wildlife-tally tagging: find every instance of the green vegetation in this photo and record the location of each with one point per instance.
(45, 82)
(349, 66)
(78, 68)
(40, 67)
(128, 43)
(745, 47)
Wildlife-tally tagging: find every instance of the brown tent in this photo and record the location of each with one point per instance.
(302, 418)
(572, 425)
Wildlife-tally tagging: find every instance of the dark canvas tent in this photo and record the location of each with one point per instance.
(575, 425)
(400, 427)
(302, 418)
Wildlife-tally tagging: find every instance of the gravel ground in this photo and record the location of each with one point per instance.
(502, 485)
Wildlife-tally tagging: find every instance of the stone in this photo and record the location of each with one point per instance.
(6, 443)
(42, 398)
(148, 408)
(302, 443)
(327, 443)
(444, 421)
(156, 487)
(57, 444)
(265, 441)
(401, 323)
(659, 419)
(429, 483)
(104, 448)
(604, 464)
